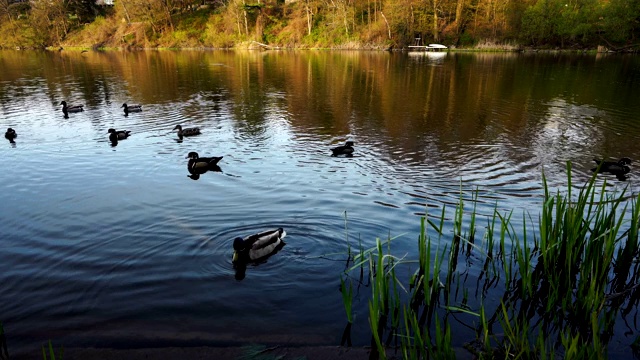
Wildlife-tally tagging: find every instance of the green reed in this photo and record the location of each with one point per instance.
(51, 352)
(553, 289)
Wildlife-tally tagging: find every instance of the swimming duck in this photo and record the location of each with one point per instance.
(131, 108)
(258, 246)
(187, 131)
(10, 135)
(346, 149)
(71, 109)
(201, 163)
(114, 135)
(617, 168)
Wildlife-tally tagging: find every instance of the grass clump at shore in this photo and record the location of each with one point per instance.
(553, 289)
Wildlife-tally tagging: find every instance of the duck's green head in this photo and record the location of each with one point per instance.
(238, 246)
(192, 155)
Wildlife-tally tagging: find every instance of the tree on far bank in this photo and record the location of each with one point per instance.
(49, 21)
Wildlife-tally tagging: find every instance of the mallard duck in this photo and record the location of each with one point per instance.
(71, 109)
(10, 135)
(131, 108)
(617, 168)
(346, 149)
(201, 163)
(114, 135)
(187, 131)
(258, 246)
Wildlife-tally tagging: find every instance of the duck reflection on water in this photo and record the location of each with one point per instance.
(194, 174)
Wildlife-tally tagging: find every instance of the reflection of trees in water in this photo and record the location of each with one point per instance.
(423, 111)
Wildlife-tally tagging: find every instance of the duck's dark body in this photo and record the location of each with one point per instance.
(617, 168)
(197, 163)
(258, 246)
(10, 135)
(346, 149)
(186, 132)
(131, 108)
(114, 135)
(70, 109)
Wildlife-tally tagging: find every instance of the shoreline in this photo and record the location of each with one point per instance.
(218, 353)
(80, 48)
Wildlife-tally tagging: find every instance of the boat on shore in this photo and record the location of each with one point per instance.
(430, 47)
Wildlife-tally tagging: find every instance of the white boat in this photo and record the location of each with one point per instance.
(430, 47)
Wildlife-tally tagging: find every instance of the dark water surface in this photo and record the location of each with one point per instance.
(117, 246)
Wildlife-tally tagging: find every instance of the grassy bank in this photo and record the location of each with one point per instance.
(292, 24)
(554, 289)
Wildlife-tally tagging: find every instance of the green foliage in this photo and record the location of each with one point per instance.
(561, 290)
(220, 33)
(51, 353)
(620, 20)
(336, 24)
(97, 33)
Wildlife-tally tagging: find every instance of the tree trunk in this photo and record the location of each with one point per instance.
(167, 10)
(459, 20)
(345, 13)
(309, 17)
(435, 20)
(386, 22)
(126, 12)
(246, 22)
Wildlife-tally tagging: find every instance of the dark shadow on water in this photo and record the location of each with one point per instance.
(195, 173)
(241, 266)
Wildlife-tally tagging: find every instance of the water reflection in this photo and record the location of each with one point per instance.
(430, 57)
(195, 173)
(429, 133)
(240, 267)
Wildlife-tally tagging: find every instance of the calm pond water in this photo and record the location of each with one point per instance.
(118, 246)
